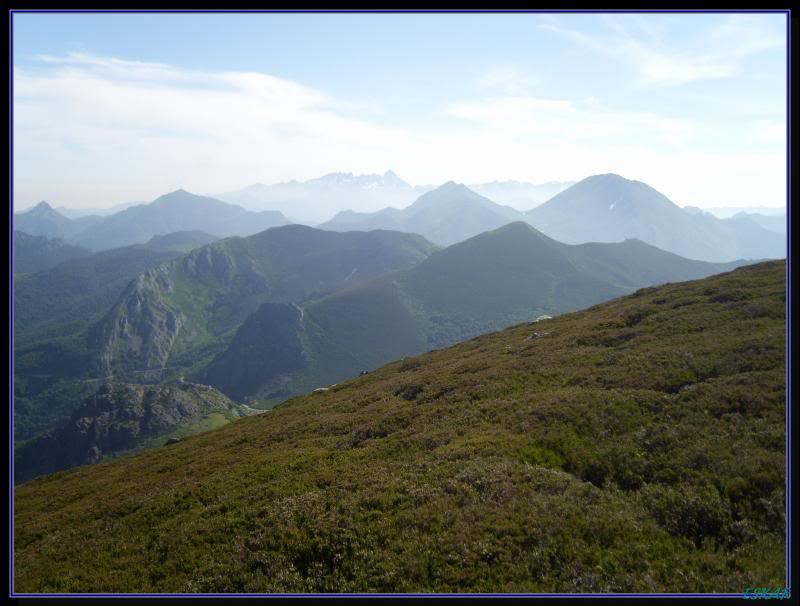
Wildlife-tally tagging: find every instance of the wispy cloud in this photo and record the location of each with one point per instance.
(93, 131)
(520, 116)
(718, 53)
(506, 79)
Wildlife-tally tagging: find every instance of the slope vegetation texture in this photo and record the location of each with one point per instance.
(635, 446)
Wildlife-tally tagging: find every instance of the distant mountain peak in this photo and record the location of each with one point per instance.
(173, 196)
(611, 208)
(607, 177)
(367, 181)
(452, 186)
(612, 176)
(43, 209)
(445, 193)
(517, 226)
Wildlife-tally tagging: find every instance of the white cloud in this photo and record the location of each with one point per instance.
(718, 53)
(519, 116)
(95, 131)
(506, 79)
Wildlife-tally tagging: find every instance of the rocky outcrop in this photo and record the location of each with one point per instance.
(118, 418)
(189, 309)
(139, 331)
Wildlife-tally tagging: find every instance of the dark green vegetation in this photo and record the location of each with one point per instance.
(35, 253)
(120, 417)
(449, 214)
(180, 241)
(53, 312)
(486, 283)
(180, 315)
(638, 445)
(609, 208)
(174, 212)
(68, 318)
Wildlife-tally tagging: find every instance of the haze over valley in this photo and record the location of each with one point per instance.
(192, 288)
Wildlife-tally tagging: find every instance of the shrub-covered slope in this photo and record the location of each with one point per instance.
(638, 445)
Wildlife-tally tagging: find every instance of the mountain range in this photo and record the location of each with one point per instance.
(446, 215)
(610, 208)
(773, 222)
(638, 446)
(70, 320)
(181, 313)
(317, 200)
(293, 308)
(43, 220)
(520, 194)
(173, 212)
(53, 312)
(602, 208)
(296, 308)
(35, 253)
(75, 213)
(510, 275)
(726, 212)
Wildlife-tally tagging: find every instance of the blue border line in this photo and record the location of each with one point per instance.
(788, 299)
(787, 12)
(393, 595)
(11, 299)
(412, 11)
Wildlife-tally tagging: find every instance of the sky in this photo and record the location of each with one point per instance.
(112, 108)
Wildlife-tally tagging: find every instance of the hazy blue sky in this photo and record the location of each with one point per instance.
(116, 107)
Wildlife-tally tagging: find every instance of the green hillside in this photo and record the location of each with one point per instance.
(180, 241)
(636, 446)
(70, 321)
(496, 279)
(53, 311)
(35, 253)
(180, 315)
